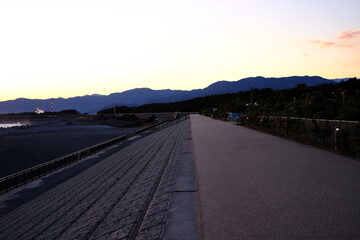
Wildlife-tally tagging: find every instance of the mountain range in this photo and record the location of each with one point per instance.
(139, 96)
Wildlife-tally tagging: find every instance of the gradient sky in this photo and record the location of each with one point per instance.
(71, 48)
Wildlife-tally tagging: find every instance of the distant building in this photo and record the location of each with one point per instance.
(234, 116)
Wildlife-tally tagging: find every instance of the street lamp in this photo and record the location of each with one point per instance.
(337, 130)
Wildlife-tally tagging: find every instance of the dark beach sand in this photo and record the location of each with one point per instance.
(48, 139)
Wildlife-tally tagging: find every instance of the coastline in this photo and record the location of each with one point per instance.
(45, 140)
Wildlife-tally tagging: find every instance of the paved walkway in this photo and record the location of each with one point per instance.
(250, 185)
(257, 186)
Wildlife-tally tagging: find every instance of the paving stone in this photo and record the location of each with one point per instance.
(162, 198)
(161, 206)
(117, 223)
(152, 233)
(53, 235)
(154, 220)
(111, 196)
(79, 233)
(56, 228)
(119, 233)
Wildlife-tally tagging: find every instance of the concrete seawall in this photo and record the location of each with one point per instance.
(127, 195)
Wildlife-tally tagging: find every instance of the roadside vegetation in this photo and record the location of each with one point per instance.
(293, 113)
(327, 101)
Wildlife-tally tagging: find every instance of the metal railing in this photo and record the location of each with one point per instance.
(149, 127)
(20, 178)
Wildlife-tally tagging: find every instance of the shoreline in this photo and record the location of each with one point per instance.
(21, 148)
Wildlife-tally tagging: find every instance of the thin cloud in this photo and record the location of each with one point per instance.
(329, 44)
(348, 45)
(349, 34)
(346, 38)
(322, 43)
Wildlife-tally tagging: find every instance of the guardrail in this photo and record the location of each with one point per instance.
(20, 178)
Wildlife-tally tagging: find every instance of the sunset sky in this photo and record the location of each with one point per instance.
(72, 48)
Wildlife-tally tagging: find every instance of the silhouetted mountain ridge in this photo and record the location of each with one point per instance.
(140, 96)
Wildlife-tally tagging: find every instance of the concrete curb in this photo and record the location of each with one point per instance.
(182, 217)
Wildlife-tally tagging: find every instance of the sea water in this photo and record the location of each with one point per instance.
(10, 125)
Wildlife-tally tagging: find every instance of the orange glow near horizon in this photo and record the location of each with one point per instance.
(53, 49)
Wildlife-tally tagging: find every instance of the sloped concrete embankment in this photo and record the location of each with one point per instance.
(127, 195)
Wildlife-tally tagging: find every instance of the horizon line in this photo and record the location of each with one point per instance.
(97, 94)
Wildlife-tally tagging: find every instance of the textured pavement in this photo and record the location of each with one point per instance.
(257, 186)
(125, 196)
(250, 185)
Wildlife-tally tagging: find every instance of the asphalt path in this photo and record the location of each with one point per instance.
(257, 186)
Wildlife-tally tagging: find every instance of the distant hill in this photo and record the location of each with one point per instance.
(139, 96)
